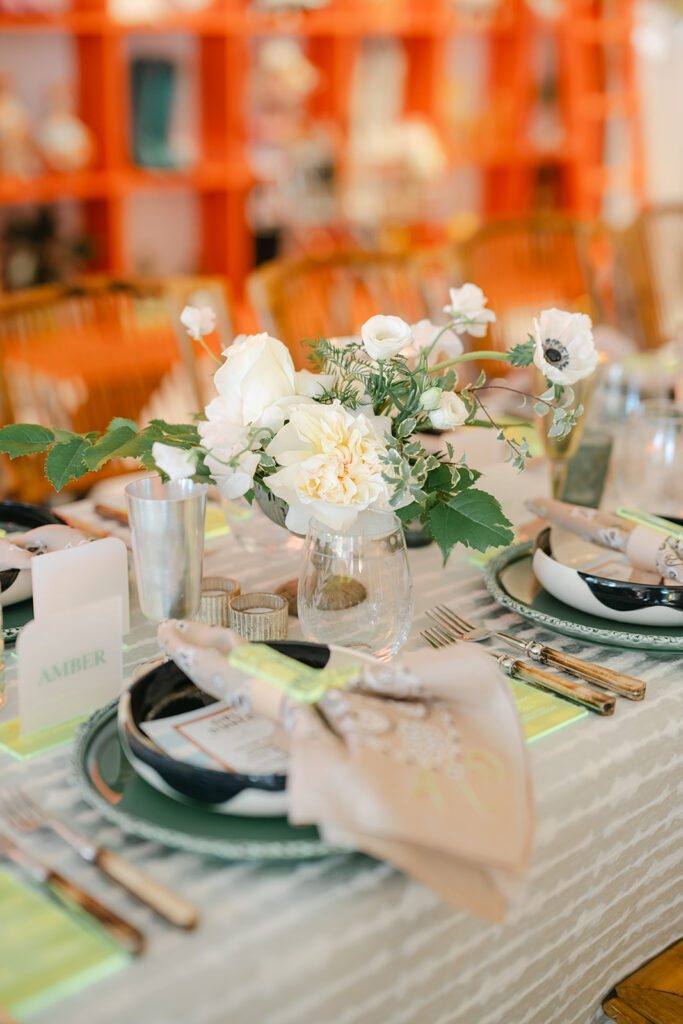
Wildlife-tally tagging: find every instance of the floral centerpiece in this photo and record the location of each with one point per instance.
(345, 439)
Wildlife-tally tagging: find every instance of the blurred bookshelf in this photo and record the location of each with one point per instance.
(595, 85)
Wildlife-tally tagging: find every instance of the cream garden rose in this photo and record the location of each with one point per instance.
(385, 336)
(331, 465)
(565, 349)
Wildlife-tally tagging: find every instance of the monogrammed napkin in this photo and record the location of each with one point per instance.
(420, 762)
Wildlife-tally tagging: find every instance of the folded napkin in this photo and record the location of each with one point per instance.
(645, 548)
(421, 762)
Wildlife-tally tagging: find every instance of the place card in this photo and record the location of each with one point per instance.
(220, 736)
(79, 576)
(69, 664)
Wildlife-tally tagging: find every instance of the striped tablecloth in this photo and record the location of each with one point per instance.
(348, 940)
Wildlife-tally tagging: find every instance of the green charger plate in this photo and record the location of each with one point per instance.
(510, 579)
(14, 618)
(110, 784)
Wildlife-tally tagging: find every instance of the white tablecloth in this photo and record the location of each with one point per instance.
(347, 940)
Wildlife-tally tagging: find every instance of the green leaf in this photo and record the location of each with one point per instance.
(65, 435)
(409, 512)
(121, 443)
(121, 421)
(473, 518)
(25, 439)
(65, 462)
(522, 354)
(159, 430)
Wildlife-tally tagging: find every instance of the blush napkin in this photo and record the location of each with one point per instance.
(645, 548)
(420, 762)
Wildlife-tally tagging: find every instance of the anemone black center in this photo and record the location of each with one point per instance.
(552, 354)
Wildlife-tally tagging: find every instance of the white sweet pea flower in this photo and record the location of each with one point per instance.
(230, 460)
(469, 303)
(176, 463)
(424, 332)
(565, 350)
(450, 412)
(331, 465)
(257, 373)
(198, 322)
(385, 336)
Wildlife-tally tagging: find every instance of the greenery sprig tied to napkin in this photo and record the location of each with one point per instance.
(421, 762)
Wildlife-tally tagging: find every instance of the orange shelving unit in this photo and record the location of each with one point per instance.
(588, 37)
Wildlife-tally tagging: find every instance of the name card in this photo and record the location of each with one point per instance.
(80, 576)
(69, 664)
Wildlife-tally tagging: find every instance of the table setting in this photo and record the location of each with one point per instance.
(337, 776)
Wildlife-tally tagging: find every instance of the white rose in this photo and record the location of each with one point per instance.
(430, 398)
(469, 304)
(176, 463)
(565, 350)
(450, 412)
(258, 372)
(331, 463)
(198, 322)
(424, 332)
(312, 385)
(385, 336)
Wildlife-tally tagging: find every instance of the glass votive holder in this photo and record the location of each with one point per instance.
(214, 608)
(259, 616)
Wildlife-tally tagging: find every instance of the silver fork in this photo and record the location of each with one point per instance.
(617, 682)
(577, 693)
(24, 814)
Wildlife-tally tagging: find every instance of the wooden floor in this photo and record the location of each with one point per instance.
(653, 994)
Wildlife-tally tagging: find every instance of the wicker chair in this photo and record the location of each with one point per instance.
(528, 264)
(332, 295)
(75, 358)
(650, 261)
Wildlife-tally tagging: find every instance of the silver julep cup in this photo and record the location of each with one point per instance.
(167, 534)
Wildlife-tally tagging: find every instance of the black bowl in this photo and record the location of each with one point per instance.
(167, 691)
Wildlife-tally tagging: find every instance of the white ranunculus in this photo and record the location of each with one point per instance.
(385, 336)
(469, 303)
(430, 398)
(424, 332)
(565, 350)
(258, 372)
(230, 460)
(176, 463)
(331, 465)
(450, 412)
(198, 322)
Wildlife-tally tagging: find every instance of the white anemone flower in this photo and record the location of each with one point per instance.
(565, 349)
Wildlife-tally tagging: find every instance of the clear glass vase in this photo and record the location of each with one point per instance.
(355, 588)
